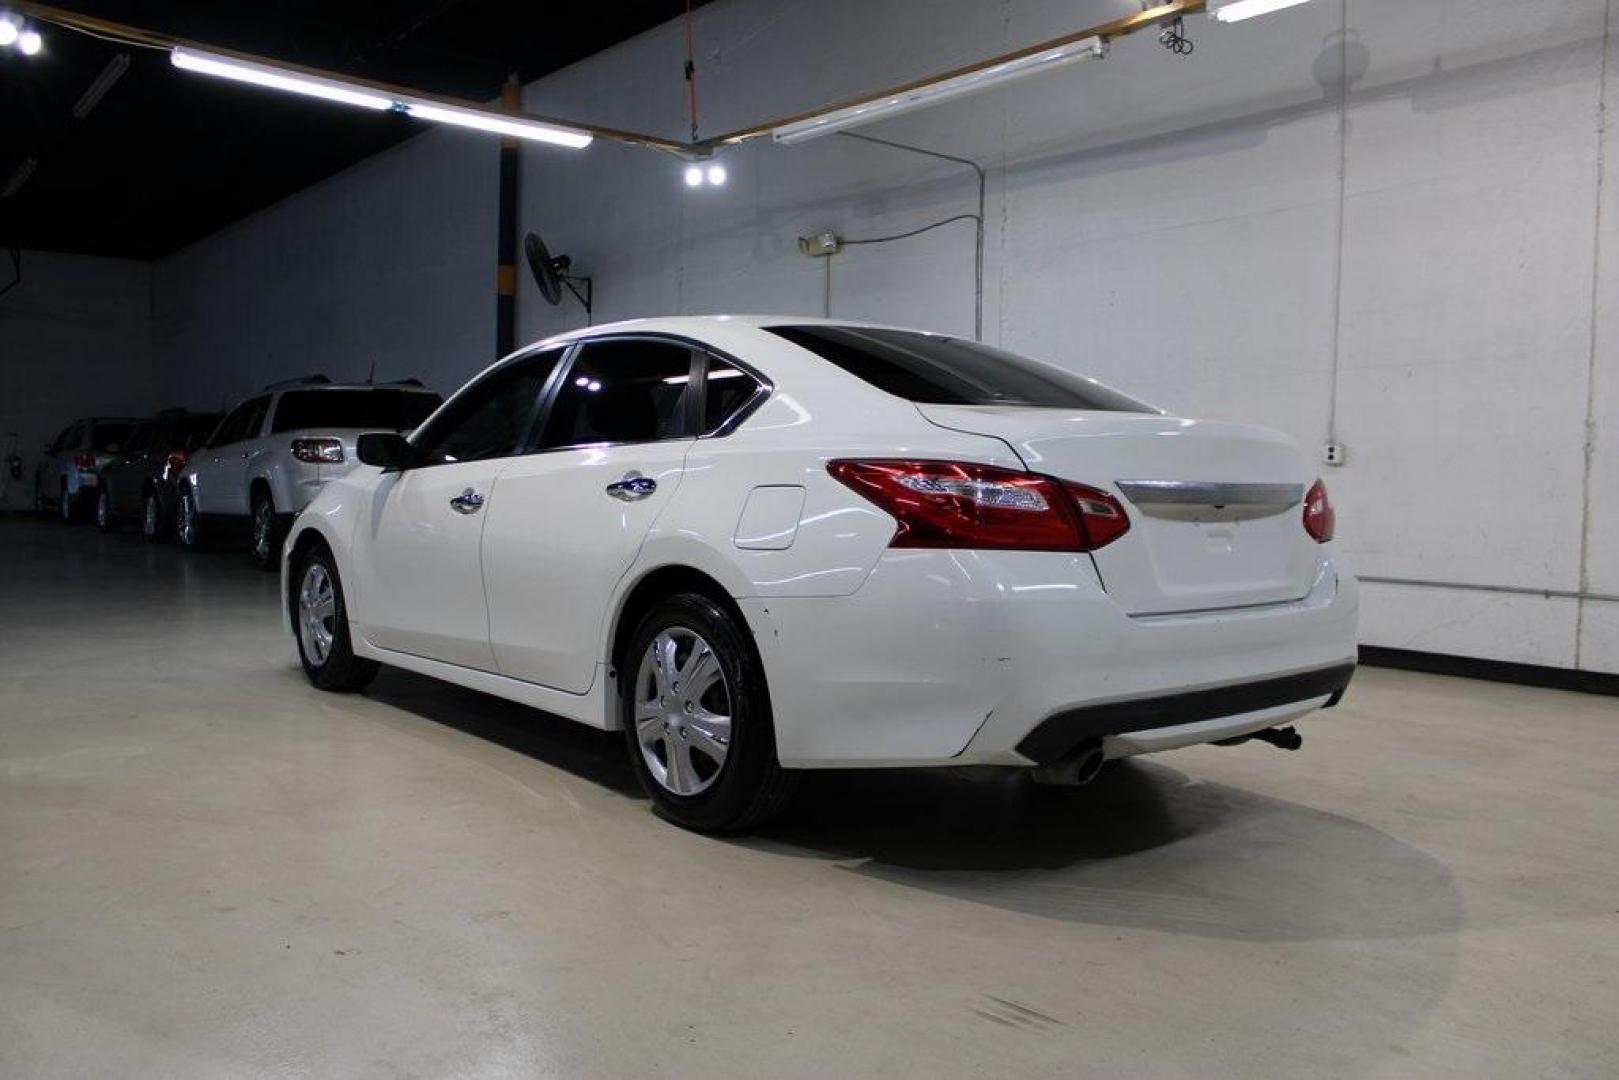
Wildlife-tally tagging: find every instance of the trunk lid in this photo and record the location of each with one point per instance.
(1216, 509)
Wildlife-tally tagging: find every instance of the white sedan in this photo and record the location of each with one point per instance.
(760, 545)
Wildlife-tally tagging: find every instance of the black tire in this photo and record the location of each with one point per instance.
(41, 507)
(339, 671)
(269, 533)
(154, 526)
(104, 518)
(187, 522)
(749, 785)
(66, 508)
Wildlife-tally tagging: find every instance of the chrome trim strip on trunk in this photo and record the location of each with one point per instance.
(1209, 499)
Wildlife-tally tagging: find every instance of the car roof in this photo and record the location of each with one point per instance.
(697, 325)
(409, 388)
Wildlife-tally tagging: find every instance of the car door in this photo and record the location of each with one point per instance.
(568, 519)
(416, 557)
(220, 469)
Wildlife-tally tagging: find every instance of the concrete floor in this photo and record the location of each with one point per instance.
(209, 869)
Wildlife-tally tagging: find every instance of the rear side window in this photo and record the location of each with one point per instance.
(380, 409)
(621, 391)
(931, 369)
(242, 423)
(110, 438)
(727, 389)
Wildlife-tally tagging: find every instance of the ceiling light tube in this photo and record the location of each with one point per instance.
(920, 97)
(1237, 10)
(277, 79)
(499, 125)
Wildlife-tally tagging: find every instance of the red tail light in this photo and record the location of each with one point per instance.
(1319, 517)
(318, 451)
(953, 504)
(84, 461)
(176, 460)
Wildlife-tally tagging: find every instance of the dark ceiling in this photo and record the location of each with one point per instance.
(167, 157)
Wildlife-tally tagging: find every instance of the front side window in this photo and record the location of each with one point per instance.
(489, 418)
(621, 390)
(379, 409)
(931, 369)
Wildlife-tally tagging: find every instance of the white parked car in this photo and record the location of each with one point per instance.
(759, 545)
(272, 453)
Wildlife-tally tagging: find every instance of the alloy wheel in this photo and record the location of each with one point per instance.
(186, 527)
(263, 529)
(682, 711)
(317, 613)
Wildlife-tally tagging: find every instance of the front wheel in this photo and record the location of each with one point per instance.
(187, 528)
(696, 717)
(320, 620)
(152, 518)
(268, 534)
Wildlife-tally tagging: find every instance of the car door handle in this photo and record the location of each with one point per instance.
(632, 488)
(468, 502)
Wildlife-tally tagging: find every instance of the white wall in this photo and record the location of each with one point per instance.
(1407, 260)
(391, 262)
(74, 341)
(1416, 256)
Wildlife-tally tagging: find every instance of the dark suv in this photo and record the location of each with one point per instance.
(66, 480)
(139, 484)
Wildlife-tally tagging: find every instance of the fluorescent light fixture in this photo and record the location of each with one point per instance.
(277, 79)
(29, 42)
(97, 90)
(716, 175)
(920, 97)
(694, 176)
(8, 30)
(500, 125)
(1231, 11)
(361, 96)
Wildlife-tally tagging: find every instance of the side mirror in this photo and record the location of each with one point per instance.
(384, 449)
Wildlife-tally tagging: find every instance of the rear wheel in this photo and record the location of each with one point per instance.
(321, 623)
(187, 529)
(696, 717)
(268, 533)
(152, 517)
(104, 519)
(65, 507)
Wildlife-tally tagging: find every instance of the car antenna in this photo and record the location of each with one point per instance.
(371, 373)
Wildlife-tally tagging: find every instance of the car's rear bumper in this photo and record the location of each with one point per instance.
(1016, 658)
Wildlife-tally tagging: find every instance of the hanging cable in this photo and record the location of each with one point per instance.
(691, 73)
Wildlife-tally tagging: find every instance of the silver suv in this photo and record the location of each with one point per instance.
(65, 480)
(274, 451)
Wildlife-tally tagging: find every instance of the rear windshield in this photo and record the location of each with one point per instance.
(110, 437)
(930, 369)
(383, 410)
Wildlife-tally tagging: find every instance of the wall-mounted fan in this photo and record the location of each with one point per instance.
(552, 276)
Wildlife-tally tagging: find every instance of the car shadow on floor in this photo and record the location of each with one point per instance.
(1143, 846)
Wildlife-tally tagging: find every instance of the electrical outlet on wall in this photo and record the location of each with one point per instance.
(1334, 453)
(821, 244)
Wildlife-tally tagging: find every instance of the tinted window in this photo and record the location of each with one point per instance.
(191, 432)
(242, 423)
(621, 391)
(379, 409)
(725, 391)
(489, 418)
(110, 437)
(934, 370)
(144, 436)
